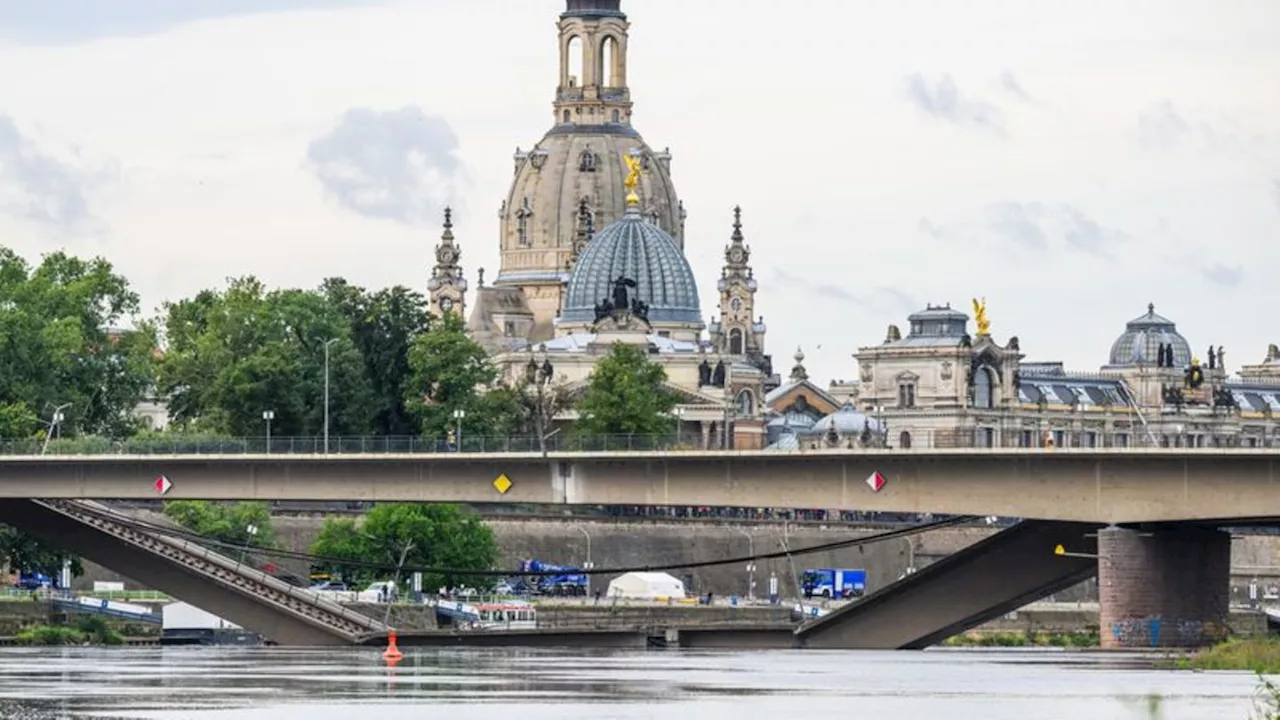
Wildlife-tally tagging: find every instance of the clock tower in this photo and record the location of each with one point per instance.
(447, 287)
(738, 331)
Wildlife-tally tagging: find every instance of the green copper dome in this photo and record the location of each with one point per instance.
(639, 251)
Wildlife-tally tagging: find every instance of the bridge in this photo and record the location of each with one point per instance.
(1113, 485)
(250, 598)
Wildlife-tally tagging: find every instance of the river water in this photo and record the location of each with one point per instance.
(279, 684)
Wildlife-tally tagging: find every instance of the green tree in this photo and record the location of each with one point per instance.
(70, 336)
(449, 371)
(437, 536)
(24, 554)
(225, 522)
(626, 395)
(383, 325)
(234, 354)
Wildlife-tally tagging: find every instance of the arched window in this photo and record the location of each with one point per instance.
(575, 69)
(617, 117)
(566, 117)
(609, 62)
(746, 403)
(904, 440)
(735, 342)
(984, 395)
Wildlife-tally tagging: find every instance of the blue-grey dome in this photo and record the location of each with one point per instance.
(638, 250)
(847, 421)
(1143, 337)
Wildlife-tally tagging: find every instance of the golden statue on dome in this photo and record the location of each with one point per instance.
(980, 317)
(633, 177)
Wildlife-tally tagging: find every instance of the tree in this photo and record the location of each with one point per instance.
(626, 395)
(24, 554)
(225, 522)
(436, 536)
(383, 325)
(234, 354)
(70, 336)
(449, 371)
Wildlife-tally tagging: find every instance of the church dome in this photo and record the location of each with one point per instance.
(847, 421)
(638, 250)
(1143, 337)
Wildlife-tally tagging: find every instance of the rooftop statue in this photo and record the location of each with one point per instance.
(633, 178)
(980, 317)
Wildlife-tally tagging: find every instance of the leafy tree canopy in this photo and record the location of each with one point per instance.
(236, 353)
(626, 395)
(439, 536)
(63, 341)
(383, 325)
(24, 554)
(449, 371)
(226, 522)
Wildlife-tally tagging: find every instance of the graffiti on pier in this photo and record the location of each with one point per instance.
(1156, 631)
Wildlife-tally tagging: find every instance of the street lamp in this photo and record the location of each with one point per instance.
(540, 375)
(251, 532)
(55, 425)
(327, 344)
(588, 564)
(678, 411)
(458, 415)
(267, 417)
(751, 564)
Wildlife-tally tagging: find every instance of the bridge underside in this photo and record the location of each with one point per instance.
(254, 604)
(980, 583)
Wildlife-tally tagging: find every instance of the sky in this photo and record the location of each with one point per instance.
(1068, 161)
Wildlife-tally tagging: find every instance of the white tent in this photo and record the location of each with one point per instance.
(645, 586)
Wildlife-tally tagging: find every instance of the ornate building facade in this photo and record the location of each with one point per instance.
(592, 242)
(941, 386)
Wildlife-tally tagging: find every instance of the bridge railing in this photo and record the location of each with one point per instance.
(186, 444)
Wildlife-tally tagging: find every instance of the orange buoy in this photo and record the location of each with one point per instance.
(392, 652)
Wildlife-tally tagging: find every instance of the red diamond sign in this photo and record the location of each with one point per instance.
(876, 482)
(163, 485)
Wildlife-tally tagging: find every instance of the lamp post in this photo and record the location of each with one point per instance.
(588, 564)
(751, 564)
(458, 415)
(678, 411)
(251, 532)
(327, 344)
(267, 417)
(55, 425)
(539, 375)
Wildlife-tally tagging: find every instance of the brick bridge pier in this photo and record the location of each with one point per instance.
(1167, 587)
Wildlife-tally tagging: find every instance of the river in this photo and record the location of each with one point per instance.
(280, 684)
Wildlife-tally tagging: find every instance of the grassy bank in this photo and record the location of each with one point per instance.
(1084, 639)
(1260, 655)
(86, 630)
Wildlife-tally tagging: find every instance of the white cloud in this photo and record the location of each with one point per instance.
(942, 99)
(38, 187)
(399, 165)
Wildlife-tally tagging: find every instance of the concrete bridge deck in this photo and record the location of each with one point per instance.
(1086, 485)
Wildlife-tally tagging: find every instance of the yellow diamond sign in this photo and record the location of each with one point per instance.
(502, 484)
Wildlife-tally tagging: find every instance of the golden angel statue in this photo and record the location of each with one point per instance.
(980, 317)
(633, 177)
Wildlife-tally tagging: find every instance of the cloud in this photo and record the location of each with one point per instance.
(1010, 84)
(1018, 223)
(397, 165)
(1163, 126)
(40, 188)
(942, 99)
(1033, 226)
(59, 21)
(1275, 191)
(880, 299)
(1220, 274)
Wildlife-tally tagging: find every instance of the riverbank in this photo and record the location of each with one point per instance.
(1259, 654)
(1087, 638)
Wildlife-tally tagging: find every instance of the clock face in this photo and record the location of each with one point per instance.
(446, 303)
(736, 254)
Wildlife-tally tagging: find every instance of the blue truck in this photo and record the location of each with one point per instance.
(36, 581)
(563, 580)
(834, 583)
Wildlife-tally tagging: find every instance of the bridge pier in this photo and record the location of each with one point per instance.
(1163, 588)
